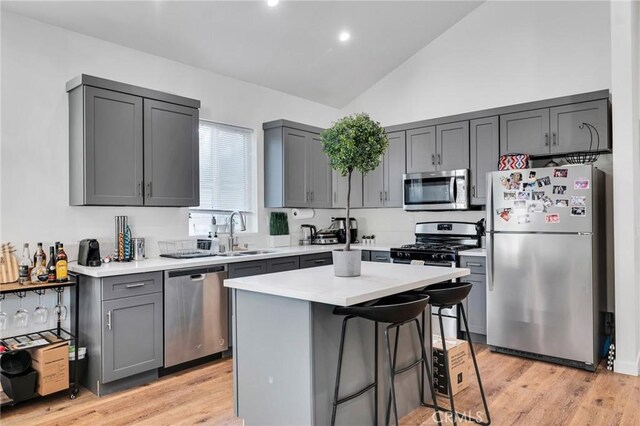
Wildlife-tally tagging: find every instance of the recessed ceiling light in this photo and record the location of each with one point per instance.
(272, 3)
(344, 36)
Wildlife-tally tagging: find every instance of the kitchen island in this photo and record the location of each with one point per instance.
(286, 342)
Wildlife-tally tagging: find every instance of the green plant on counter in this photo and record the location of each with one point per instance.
(355, 142)
(278, 223)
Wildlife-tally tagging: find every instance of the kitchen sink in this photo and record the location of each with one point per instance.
(245, 253)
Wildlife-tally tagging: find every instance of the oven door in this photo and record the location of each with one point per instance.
(449, 316)
(435, 190)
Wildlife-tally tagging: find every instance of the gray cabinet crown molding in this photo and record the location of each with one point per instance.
(546, 103)
(103, 83)
(292, 124)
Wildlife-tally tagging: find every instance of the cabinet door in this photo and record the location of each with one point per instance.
(339, 188)
(380, 256)
(525, 132)
(452, 146)
(113, 148)
(295, 168)
(171, 155)
(566, 134)
(282, 264)
(313, 260)
(247, 269)
(485, 154)
(373, 186)
(131, 336)
(421, 150)
(319, 174)
(477, 304)
(394, 168)
(365, 255)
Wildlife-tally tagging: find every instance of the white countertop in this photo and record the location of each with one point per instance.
(480, 252)
(164, 263)
(322, 286)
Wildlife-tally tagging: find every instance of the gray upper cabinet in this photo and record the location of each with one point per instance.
(485, 151)
(171, 161)
(131, 146)
(421, 150)
(339, 186)
(383, 186)
(112, 156)
(452, 146)
(566, 135)
(525, 132)
(297, 171)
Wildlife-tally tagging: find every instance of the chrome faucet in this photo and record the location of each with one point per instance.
(243, 227)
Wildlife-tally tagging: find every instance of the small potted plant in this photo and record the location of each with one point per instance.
(355, 142)
(278, 230)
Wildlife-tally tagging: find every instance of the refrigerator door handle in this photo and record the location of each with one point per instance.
(489, 207)
(489, 243)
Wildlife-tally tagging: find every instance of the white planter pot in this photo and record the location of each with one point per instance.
(347, 263)
(279, 241)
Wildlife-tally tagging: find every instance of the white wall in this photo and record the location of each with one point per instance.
(37, 61)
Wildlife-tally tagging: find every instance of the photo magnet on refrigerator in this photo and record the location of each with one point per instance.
(560, 173)
(532, 176)
(505, 182)
(520, 205)
(522, 195)
(522, 219)
(559, 189)
(537, 195)
(516, 177)
(578, 211)
(578, 200)
(505, 214)
(547, 201)
(552, 218)
(544, 181)
(581, 183)
(562, 203)
(509, 196)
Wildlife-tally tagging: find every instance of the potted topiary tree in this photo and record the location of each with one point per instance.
(355, 142)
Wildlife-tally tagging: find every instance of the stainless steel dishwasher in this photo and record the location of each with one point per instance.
(196, 321)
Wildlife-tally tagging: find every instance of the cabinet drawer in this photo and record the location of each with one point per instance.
(313, 260)
(283, 264)
(476, 264)
(131, 285)
(247, 269)
(365, 255)
(381, 256)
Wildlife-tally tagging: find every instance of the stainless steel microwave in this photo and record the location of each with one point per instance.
(446, 190)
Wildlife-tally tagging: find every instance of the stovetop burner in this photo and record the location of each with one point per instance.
(439, 246)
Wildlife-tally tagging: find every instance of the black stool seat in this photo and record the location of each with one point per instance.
(391, 309)
(446, 294)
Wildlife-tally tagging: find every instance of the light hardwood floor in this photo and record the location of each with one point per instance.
(519, 391)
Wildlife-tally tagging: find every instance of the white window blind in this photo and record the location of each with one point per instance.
(226, 172)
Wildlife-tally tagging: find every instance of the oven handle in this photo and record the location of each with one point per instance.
(452, 190)
(442, 264)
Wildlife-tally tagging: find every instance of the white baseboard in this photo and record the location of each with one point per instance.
(628, 368)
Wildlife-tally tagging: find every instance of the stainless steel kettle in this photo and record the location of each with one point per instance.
(308, 233)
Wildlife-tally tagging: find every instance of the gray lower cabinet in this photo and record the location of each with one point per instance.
(132, 336)
(476, 302)
(316, 259)
(282, 264)
(452, 146)
(380, 256)
(131, 146)
(484, 144)
(383, 186)
(297, 171)
(421, 150)
(365, 255)
(171, 161)
(566, 120)
(340, 187)
(525, 132)
(122, 328)
(247, 269)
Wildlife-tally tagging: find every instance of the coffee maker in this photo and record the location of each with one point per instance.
(89, 253)
(340, 225)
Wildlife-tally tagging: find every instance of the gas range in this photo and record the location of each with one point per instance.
(438, 243)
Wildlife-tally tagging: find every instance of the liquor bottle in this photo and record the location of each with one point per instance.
(40, 252)
(61, 265)
(25, 265)
(51, 266)
(39, 271)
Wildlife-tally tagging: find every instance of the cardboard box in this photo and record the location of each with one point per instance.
(52, 364)
(458, 360)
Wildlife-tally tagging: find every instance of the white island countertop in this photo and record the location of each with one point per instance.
(322, 286)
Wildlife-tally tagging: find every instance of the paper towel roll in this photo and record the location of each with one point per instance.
(302, 213)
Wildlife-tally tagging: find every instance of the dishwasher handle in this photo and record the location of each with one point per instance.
(195, 272)
(198, 277)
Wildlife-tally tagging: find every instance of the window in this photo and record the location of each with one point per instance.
(227, 172)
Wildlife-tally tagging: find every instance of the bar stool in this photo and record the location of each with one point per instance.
(396, 311)
(445, 296)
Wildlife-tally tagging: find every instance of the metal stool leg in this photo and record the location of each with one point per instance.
(337, 386)
(475, 365)
(446, 365)
(391, 375)
(425, 361)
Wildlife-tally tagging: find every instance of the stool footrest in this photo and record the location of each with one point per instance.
(408, 367)
(355, 394)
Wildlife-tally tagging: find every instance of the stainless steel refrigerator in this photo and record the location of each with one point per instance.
(545, 263)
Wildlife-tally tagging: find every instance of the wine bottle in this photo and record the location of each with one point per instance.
(24, 271)
(61, 265)
(39, 252)
(51, 266)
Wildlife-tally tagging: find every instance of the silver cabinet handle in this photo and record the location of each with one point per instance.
(473, 190)
(134, 285)
(319, 261)
(140, 189)
(439, 159)
(381, 258)
(149, 189)
(433, 159)
(306, 197)
(386, 195)
(473, 264)
(554, 139)
(380, 195)
(546, 139)
(109, 320)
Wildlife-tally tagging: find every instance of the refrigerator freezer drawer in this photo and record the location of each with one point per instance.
(541, 296)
